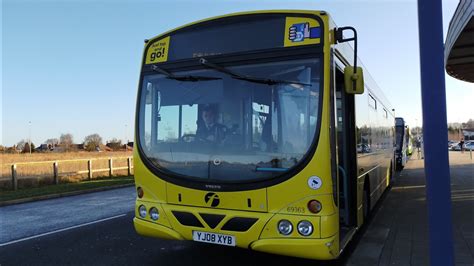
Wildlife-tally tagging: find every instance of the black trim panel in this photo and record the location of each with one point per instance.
(239, 224)
(212, 219)
(187, 218)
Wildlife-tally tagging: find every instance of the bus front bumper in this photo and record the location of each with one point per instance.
(145, 228)
(319, 249)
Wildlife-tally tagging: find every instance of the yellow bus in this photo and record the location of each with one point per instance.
(401, 143)
(259, 130)
(409, 143)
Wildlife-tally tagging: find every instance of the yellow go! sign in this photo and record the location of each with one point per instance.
(158, 51)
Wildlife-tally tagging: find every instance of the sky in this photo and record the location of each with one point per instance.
(73, 66)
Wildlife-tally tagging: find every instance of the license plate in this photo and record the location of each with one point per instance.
(214, 238)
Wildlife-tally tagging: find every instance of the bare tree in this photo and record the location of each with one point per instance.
(66, 140)
(21, 144)
(92, 142)
(53, 142)
(469, 124)
(115, 144)
(27, 147)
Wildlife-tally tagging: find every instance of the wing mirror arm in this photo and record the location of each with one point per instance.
(340, 38)
(356, 77)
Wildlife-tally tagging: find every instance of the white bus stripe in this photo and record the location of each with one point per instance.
(61, 230)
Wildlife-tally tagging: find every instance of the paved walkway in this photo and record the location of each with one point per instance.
(398, 232)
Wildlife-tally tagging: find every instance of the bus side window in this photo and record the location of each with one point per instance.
(168, 125)
(372, 102)
(260, 115)
(146, 124)
(189, 117)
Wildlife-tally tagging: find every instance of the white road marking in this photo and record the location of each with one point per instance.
(61, 230)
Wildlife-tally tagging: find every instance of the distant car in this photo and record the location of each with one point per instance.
(455, 147)
(451, 143)
(363, 148)
(469, 146)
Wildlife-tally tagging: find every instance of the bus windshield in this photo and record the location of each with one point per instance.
(399, 132)
(210, 125)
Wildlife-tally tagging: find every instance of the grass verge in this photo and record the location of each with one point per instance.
(64, 188)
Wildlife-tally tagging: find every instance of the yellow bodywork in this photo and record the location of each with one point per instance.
(287, 200)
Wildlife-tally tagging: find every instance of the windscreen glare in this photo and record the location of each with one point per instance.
(215, 127)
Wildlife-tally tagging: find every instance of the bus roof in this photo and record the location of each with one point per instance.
(316, 12)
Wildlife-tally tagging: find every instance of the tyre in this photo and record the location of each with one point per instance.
(366, 202)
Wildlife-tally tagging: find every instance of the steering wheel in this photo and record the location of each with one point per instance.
(188, 138)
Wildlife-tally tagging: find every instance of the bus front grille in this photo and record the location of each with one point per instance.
(234, 224)
(239, 224)
(212, 219)
(187, 218)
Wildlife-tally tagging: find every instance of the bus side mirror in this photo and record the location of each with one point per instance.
(353, 81)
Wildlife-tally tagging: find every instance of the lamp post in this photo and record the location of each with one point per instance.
(125, 138)
(416, 128)
(29, 136)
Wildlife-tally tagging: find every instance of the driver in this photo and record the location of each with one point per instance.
(210, 129)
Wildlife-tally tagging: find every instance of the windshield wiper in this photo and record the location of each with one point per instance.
(234, 75)
(170, 75)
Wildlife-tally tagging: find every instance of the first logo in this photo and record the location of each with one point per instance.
(212, 199)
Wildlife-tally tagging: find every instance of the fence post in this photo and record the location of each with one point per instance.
(111, 168)
(55, 173)
(129, 164)
(14, 179)
(89, 167)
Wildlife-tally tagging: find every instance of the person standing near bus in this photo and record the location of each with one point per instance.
(461, 145)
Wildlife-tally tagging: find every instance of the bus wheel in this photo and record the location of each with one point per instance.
(398, 166)
(366, 202)
(391, 174)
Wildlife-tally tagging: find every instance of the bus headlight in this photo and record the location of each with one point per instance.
(142, 211)
(285, 227)
(305, 228)
(154, 214)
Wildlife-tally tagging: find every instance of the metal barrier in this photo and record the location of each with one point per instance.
(90, 170)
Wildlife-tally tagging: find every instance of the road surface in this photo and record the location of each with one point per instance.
(97, 229)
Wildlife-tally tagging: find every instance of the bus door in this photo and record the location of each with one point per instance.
(346, 153)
